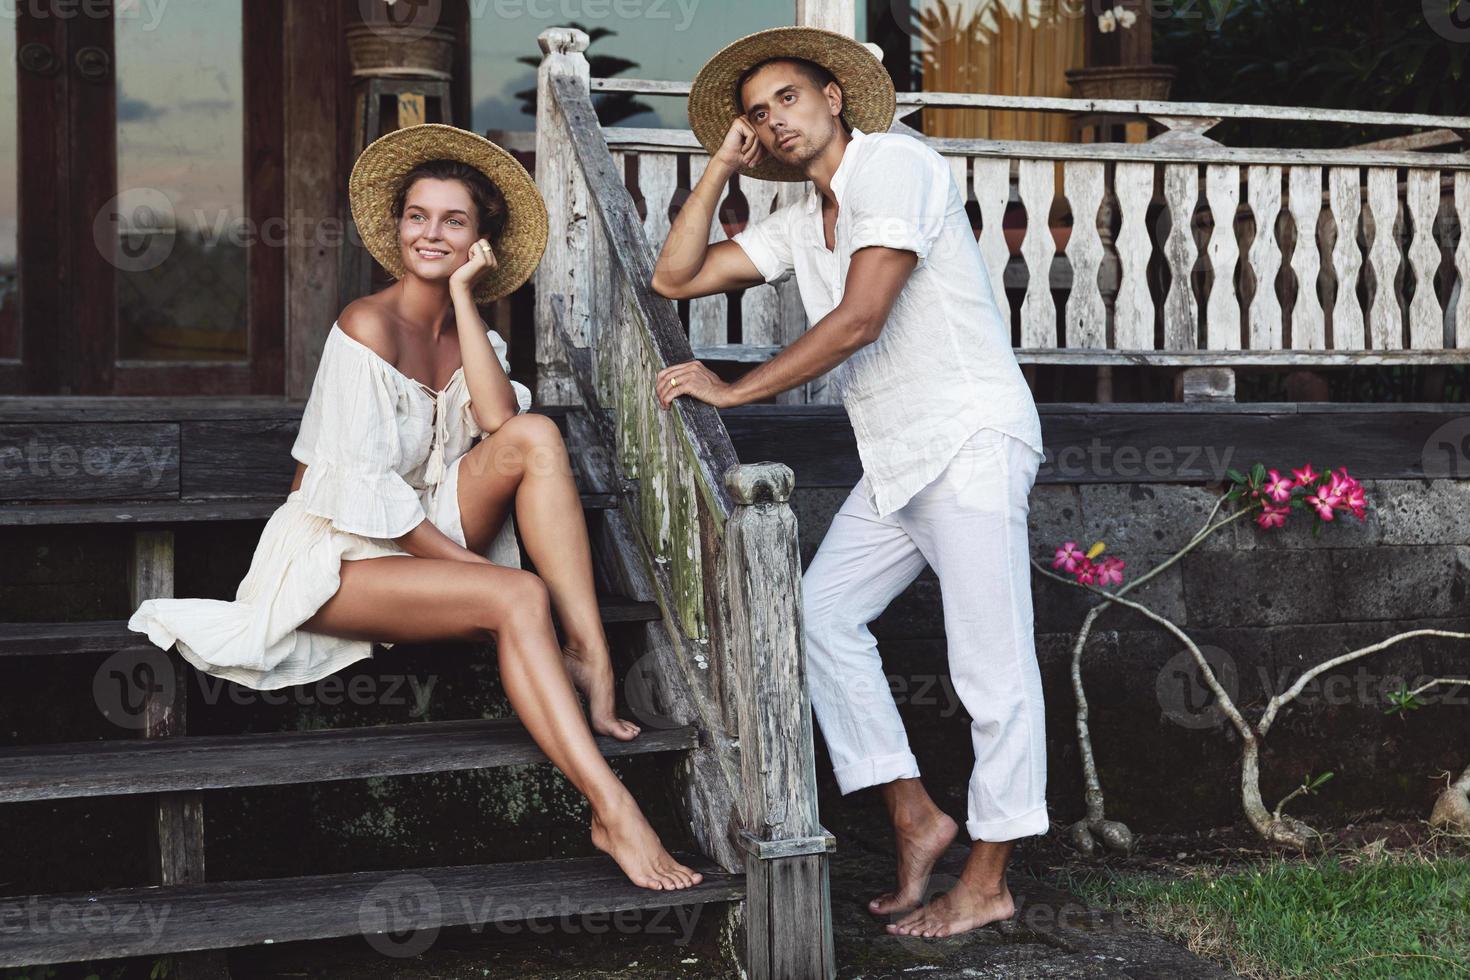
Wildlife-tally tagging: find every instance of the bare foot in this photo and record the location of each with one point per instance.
(624, 834)
(958, 910)
(592, 674)
(919, 846)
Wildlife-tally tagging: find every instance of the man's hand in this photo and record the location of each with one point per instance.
(694, 379)
(742, 148)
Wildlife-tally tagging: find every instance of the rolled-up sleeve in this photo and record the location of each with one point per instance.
(767, 243)
(349, 441)
(899, 199)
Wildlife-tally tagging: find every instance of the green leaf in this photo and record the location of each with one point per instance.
(1235, 475)
(1258, 474)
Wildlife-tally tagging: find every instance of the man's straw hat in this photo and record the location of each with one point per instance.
(868, 98)
(381, 167)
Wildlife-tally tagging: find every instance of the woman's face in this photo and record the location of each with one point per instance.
(437, 229)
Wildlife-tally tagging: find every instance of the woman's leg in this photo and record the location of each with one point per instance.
(403, 599)
(525, 460)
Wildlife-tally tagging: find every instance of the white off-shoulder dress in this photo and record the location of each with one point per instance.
(382, 452)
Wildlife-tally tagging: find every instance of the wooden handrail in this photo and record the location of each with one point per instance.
(714, 538)
(710, 449)
(682, 140)
(1123, 107)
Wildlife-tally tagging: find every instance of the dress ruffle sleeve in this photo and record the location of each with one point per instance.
(349, 440)
(523, 394)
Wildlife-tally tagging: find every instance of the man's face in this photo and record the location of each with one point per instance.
(794, 120)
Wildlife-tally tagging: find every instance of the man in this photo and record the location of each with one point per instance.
(894, 285)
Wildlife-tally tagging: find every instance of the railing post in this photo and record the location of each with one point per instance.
(788, 917)
(565, 269)
(831, 15)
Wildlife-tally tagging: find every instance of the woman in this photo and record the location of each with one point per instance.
(398, 527)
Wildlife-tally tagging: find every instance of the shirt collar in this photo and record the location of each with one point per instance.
(839, 176)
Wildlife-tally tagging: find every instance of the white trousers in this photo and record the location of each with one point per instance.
(969, 524)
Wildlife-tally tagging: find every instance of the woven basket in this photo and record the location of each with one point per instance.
(374, 52)
(1145, 82)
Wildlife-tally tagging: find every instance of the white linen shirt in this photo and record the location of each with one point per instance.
(943, 366)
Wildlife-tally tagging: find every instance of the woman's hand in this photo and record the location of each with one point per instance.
(481, 260)
(694, 379)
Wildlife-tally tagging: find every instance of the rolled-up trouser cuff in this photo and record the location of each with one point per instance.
(879, 769)
(1027, 824)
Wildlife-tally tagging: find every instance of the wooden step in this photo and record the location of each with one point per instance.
(122, 767)
(175, 511)
(391, 907)
(106, 636)
(140, 460)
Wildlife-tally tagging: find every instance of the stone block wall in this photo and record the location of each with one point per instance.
(1264, 606)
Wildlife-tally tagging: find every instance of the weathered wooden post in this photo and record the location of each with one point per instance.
(788, 918)
(565, 270)
(176, 837)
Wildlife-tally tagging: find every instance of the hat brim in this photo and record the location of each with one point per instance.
(868, 97)
(381, 167)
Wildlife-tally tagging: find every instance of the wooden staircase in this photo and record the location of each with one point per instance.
(180, 911)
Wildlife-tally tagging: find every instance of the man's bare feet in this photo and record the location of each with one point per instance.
(919, 846)
(958, 910)
(623, 833)
(592, 674)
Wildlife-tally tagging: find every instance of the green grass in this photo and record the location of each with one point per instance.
(1383, 917)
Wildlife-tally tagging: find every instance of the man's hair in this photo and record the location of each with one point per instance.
(815, 73)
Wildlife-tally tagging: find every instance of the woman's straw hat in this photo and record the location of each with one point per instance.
(868, 99)
(381, 167)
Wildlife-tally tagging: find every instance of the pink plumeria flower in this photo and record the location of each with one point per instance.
(1272, 515)
(1087, 571)
(1305, 476)
(1278, 487)
(1110, 572)
(1324, 503)
(1069, 556)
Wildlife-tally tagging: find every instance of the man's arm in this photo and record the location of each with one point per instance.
(688, 266)
(874, 279)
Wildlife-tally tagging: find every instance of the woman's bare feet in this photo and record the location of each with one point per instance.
(623, 833)
(592, 674)
(919, 846)
(958, 910)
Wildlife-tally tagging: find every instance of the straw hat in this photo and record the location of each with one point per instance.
(381, 167)
(868, 99)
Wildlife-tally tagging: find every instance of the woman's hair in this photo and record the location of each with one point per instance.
(489, 202)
